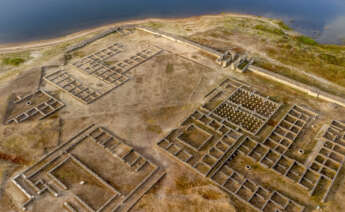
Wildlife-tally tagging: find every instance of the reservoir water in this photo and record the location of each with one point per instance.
(29, 20)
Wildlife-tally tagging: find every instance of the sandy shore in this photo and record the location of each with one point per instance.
(13, 47)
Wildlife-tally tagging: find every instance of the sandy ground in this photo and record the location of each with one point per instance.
(12, 47)
(162, 92)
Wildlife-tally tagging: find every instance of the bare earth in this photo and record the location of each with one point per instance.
(158, 84)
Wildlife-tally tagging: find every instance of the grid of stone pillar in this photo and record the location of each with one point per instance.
(246, 109)
(254, 102)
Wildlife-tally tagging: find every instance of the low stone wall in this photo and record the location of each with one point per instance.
(179, 39)
(312, 91)
(94, 38)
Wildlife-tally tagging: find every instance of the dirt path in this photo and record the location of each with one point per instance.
(317, 146)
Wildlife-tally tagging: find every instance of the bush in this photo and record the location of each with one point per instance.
(331, 59)
(283, 25)
(155, 25)
(13, 61)
(306, 40)
(269, 29)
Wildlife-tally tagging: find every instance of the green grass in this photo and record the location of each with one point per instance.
(331, 59)
(326, 61)
(269, 29)
(155, 25)
(283, 25)
(15, 61)
(55, 50)
(302, 52)
(300, 78)
(306, 40)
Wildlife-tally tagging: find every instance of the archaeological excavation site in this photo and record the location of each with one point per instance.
(136, 118)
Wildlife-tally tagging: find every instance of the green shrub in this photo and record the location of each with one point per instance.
(306, 40)
(331, 59)
(269, 29)
(13, 61)
(283, 25)
(155, 25)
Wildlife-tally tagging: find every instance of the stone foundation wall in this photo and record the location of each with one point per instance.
(312, 91)
(90, 40)
(179, 39)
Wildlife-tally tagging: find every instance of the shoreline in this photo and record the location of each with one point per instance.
(22, 46)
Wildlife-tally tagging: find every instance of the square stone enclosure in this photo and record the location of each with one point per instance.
(94, 171)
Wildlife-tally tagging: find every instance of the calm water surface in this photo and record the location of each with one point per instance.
(28, 20)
